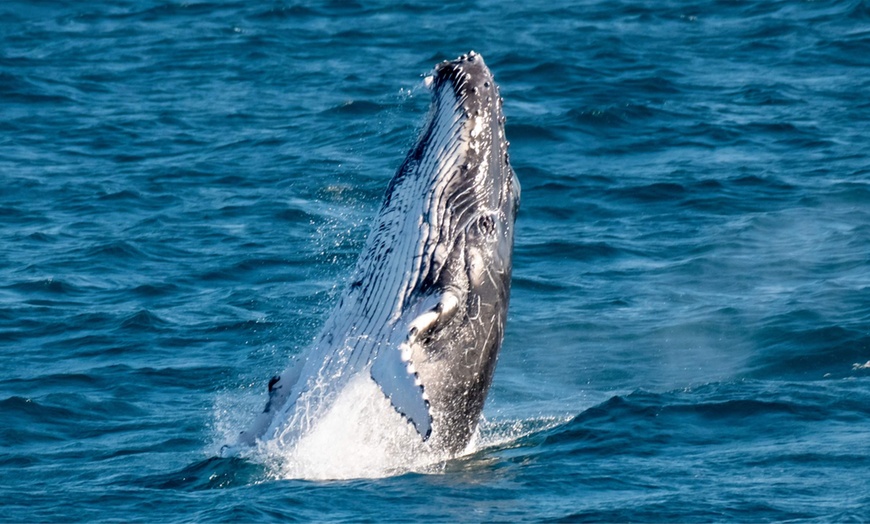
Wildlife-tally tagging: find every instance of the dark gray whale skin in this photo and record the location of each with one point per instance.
(424, 311)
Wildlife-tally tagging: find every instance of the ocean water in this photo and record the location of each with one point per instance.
(185, 186)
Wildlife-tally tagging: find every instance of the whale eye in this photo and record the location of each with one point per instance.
(486, 225)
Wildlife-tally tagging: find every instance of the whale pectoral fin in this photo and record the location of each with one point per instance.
(395, 374)
(279, 389)
(393, 370)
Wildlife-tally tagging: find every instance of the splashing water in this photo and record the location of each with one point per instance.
(360, 435)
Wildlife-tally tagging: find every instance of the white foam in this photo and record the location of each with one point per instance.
(361, 436)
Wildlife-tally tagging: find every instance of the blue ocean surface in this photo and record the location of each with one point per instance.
(185, 186)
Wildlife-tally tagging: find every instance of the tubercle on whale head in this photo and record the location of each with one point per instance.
(470, 77)
(468, 71)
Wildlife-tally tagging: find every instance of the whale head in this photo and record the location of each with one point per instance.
(457, 197)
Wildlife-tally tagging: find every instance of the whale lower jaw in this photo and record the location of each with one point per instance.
(424, 310)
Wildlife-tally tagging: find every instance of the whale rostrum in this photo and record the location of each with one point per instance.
(425, 308)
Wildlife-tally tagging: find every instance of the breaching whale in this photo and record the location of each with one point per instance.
(424, 311)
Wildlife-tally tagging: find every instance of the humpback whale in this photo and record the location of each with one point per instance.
(423, 313)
